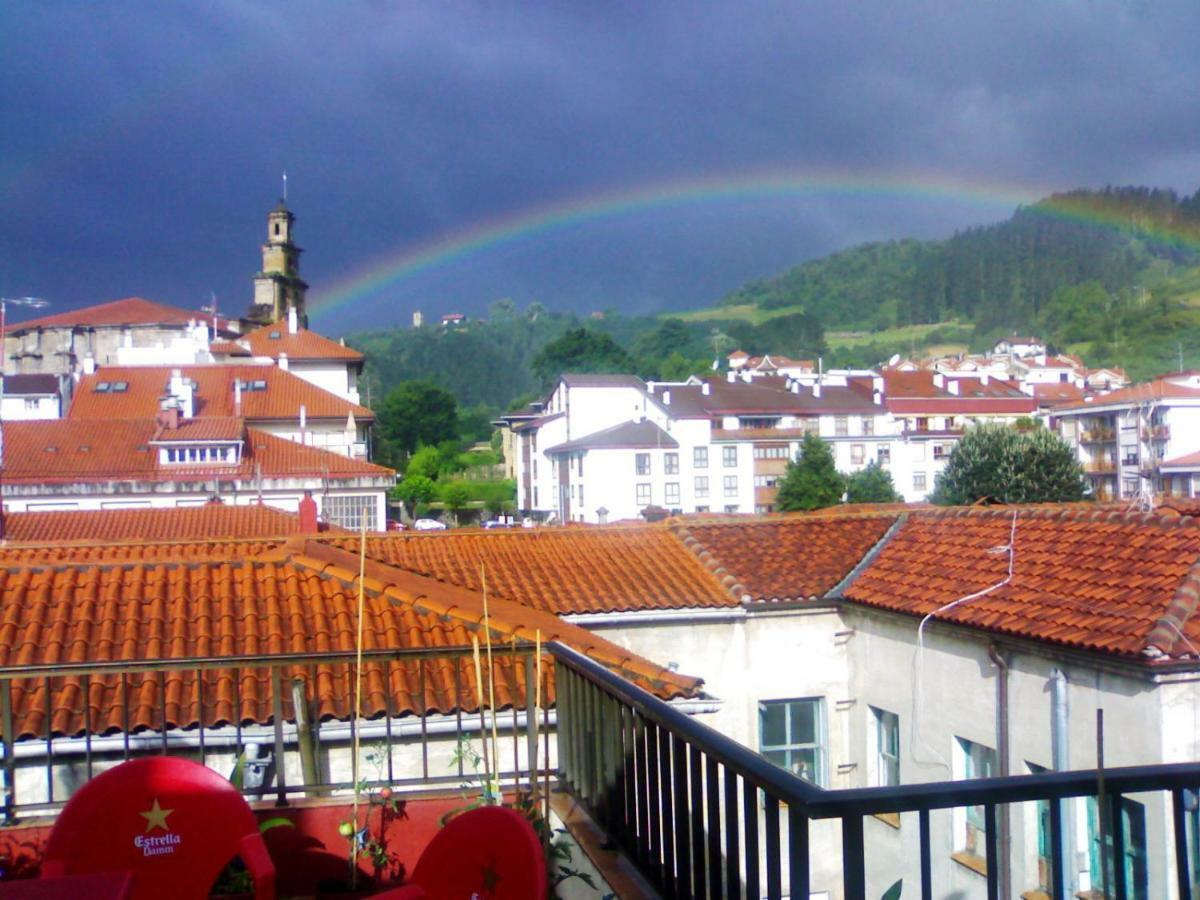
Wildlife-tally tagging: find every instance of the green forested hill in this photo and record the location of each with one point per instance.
(1113, 275)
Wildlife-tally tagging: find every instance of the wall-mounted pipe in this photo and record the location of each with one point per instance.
(1003, 823)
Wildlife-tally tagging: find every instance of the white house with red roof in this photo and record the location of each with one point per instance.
(83, 463)
(1138, 441)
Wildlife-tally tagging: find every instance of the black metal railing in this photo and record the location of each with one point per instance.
(165, 706)
(684, 801)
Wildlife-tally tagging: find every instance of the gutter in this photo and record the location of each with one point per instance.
(657, 616)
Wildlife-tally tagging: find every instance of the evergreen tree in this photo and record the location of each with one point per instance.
(580, 350)
(871, 485)
(998, 464)
(812, 481)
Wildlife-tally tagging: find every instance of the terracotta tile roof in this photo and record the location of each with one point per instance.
(768, 395)
(87, 450)
(210, 428)
(789, 557)
(228, 348)
(213, 520)
(214, 394)
(1186, 461)
(299, 599)
(1148, 391)
(271, 340)
(130, 311)
(561, 570)
(1118, 583)
(1057, 392)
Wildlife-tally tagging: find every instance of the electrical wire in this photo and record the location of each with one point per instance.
(915, 739)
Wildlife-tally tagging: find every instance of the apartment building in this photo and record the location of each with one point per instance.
(603, 448)
(1138, 441)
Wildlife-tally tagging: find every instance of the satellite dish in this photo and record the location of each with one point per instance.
(895, 359)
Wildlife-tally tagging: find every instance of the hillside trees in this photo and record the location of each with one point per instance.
(411, 414)
(580, 350)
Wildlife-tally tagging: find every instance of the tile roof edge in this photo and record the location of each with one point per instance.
(838, 591)
(467, 606)
(1167, 633)
(727, 580)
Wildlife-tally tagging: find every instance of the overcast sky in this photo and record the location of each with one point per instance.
(143, 143)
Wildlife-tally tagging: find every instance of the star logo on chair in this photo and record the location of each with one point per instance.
(156, 816)
(490, 878)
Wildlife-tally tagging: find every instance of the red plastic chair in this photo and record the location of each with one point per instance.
(491, 853)
(173, 823)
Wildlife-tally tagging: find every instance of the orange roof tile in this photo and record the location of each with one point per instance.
(1103, 581)
(213, 520)
(214, 394)
(130, 311)
(299, 599)
(87, 450)
(780, 558)
(272, 340)
(592, 570)
(1144, 392)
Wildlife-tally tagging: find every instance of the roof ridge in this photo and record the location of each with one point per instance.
(1072, 512)
(727, 580)
(1167, 632)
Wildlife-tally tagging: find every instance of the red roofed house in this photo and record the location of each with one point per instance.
(268, 398)
(129, 331)
(121, 461)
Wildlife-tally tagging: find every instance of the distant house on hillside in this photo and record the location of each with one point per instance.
(1020, 346)
(453, 320)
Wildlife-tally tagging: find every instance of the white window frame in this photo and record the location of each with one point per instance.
(729, 456)
(730, 486)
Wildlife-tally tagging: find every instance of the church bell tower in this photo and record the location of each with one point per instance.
(278, 287)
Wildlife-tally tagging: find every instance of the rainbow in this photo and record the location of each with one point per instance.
(530, 223)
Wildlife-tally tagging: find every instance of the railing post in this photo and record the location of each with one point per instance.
(774, 864)
(10, 760)
(926, 857)
(1182, 876)
(990, 841)
(798, 868)
(1116, 807)
(277, 717)
(531, 722)
(853, 871)
(750, 824)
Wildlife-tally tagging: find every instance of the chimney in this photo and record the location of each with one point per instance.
(817, 388)
(283, 361)
(877, 383)
(984, 378)
(237, 397)
(666, 398)
(89, 365)
(706, 389)
(650, 386)
(952, 386)
(308, 514)
(939, 380)
(293, 320)
(877, 398)
(181, 389)
(731, 376)
(168, 414)
(303, 421)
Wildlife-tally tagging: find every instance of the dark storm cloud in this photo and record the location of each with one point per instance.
(143, 142)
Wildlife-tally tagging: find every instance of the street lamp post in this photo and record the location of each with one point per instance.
(33, 303)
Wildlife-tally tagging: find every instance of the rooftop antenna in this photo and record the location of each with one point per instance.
(211, 309)
(285, 185)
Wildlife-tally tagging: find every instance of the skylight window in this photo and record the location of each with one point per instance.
(102, 387)
(120, 387)
(274, 335)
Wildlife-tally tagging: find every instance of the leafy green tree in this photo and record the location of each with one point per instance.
(580, 350)
(456, 495)
(415, 490)
(425, 463)
(811, 481)
(415, 413)
(871, 485)
(998, 464)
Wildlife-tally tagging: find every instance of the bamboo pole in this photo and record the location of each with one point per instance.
(358, 650)
(487, 636)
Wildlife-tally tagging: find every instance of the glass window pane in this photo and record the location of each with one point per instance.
(774, 729)
(804, 722)
(804, 764)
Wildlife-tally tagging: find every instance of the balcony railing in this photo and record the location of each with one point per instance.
(1097, 436)
(1100, 467)
(684, 802)
(1156, 432)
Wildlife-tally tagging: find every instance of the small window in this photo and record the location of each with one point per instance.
(102, 387)
(731, 507)
(791, 734)
(857, 454)
(868, 425)
(841, 425)
(274, 335)
(701, 509)
(700, 457)
(972, 760)
(258, 386)
(887, 748)
(918, 481)
(671, 497)
(643, 494)
(883, 454)
(731, 487)
(701, 487)
(729, 457)
(120, 387)
(671, 464)
(641, 464)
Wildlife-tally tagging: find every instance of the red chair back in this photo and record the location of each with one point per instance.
(491, 852)
(174, 823)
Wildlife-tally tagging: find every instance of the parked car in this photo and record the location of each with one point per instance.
(429, 525)
(497, 523)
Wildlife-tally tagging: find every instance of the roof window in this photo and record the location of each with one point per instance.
(274, 335)
(102, 387)
(120, 387)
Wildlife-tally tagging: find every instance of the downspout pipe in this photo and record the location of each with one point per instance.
(1060, 755)
(1003, 839)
